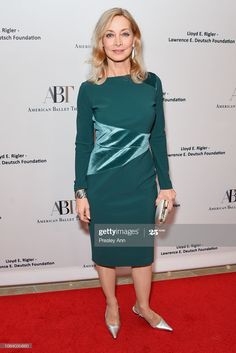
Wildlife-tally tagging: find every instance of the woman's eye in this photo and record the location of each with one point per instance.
(109, 35)
(126, 34)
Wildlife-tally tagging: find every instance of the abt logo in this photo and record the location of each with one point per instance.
(230, 196)
(63, 208)
(59, 94)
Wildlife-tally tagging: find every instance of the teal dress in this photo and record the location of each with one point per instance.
(120, 149)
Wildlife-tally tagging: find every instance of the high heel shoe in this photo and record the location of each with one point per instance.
(113, 328)
(161, 325)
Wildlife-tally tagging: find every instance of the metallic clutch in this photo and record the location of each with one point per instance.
(162, 211)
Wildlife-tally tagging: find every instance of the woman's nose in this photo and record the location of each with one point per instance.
(118, 41)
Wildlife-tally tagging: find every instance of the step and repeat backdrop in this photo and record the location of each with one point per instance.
(44, 46)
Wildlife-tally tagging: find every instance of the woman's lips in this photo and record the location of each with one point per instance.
(118, 51)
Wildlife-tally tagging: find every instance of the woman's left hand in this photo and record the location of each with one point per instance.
(168, 194)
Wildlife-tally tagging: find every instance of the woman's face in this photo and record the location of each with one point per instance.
(118, 39)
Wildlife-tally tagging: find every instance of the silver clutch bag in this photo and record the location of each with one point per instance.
(162, 211)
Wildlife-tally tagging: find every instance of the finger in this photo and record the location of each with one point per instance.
(80, 214)
(87, 213)
(158, 200)
(83, 218)
(170, 206)
(84, 215)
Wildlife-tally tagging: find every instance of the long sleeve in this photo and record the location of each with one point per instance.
(158, 141)
(84, 137)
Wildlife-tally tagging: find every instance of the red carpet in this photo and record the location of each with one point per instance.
(202, 311)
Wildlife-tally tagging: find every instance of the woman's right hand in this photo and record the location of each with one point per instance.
(83, 209)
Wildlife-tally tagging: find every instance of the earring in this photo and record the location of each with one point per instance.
(133, 52)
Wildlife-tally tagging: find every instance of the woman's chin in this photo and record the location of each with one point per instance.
(119, 57)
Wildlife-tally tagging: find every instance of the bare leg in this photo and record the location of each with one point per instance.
(107, 277)
(142, 278)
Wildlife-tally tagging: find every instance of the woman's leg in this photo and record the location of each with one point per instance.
(107, 277)
(142, 278)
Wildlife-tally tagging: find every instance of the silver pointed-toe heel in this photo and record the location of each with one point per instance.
(161, 325)
(113, 328)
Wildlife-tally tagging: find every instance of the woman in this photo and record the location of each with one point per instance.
(115, 177)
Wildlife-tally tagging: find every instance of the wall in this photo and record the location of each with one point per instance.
(191, 46)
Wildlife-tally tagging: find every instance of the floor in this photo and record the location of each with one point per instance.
(57, 286)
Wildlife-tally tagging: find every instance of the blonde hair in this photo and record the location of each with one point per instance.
(98, 58)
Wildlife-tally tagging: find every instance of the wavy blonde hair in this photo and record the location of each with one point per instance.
(98, 58)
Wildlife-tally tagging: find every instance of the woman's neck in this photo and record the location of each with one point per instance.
(118, 69)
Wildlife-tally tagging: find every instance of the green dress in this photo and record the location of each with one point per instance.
(118, 168)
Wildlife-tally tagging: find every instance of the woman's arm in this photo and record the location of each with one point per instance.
(158, 141)
(84, 137)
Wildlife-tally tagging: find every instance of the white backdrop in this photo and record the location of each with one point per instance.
(190, 45)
